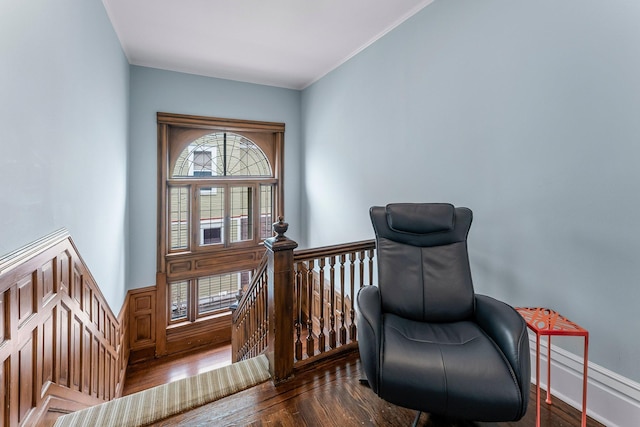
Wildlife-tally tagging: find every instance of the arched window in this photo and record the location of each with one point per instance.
(221, 154)
(220, 191)
(232, 183)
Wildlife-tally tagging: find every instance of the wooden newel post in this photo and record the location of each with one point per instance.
(280, 282)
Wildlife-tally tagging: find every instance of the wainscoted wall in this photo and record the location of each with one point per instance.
(61, 346)
(150, 336)
(142, 316)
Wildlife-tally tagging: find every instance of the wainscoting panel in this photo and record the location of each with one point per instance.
(142, 329)
(61, 347)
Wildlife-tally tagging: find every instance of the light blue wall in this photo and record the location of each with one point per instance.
(155, 91)
(526, 112)
(63, 132)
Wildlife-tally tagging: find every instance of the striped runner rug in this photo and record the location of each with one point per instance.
(163, 401)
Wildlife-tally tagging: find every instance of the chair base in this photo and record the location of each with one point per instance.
(415, 422)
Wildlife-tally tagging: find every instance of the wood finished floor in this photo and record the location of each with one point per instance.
(327, 394)
(142, 376)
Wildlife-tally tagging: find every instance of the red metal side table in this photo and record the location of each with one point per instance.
(544, 321)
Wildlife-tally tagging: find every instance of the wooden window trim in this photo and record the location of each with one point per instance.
(269, 137)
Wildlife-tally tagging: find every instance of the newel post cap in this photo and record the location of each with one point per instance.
(280, 242)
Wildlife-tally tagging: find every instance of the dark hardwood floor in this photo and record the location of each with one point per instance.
(326, 394)
(144, 375)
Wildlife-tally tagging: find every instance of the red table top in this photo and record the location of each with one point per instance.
(544, 321)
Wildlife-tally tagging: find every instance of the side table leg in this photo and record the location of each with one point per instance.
(537, 380)
(548, 369)
(584, 381)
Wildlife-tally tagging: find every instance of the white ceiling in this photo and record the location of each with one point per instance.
(284, 43)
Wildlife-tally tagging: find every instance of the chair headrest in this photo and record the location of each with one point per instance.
(420, 218)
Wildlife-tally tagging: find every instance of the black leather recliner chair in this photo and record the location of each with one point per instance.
(427, 341)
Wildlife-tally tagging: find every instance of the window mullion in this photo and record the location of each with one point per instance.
(193, 300)
(227, 216)
(194, 193)
(257, 208)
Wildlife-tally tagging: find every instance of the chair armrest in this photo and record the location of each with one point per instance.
(369, 322)
(508, 330)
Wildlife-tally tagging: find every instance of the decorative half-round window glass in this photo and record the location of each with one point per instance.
(222, 154)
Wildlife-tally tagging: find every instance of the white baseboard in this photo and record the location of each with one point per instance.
(612, 399)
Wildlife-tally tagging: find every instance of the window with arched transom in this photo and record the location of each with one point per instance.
(220, 190)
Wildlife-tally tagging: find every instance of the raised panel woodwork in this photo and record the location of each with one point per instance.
(4, 392)
(48, 329)
(87, 285)
(3, 315)
(179, 267)
(108, 374)
(102, 377)
(64, 271)
(25, 298)
(108, 330)
(76, 285)
(143, 303)
(47, 281)
(142, 312)
(64, 327)
(103, 320)
(95, 372)
(238, 259)
(26, 369)
(59, 351)
(86, 361)
(95, 311)
(113, 335)
(142, 328)
(76, 352)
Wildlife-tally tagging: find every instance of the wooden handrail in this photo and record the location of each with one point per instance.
(245, 298)
(249, 320)
(363, 245)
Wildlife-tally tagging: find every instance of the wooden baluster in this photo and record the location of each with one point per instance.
(361, 260)
(235, 339)
(343, 330)
(310, 341)
(332, 302)
(361, 264)
(257, 326)
(298, 321)
(370, 253)
(257, 341)
(253, 325)
(265, 314)
(352, 271)
(247, 332)
(245, 335)
(321, 336)
(243, 348)
(260, 326)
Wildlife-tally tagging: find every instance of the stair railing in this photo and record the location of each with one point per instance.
(299, 306)
(327, 281)
(249, 333)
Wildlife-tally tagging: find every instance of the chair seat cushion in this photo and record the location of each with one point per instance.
(446, 368)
